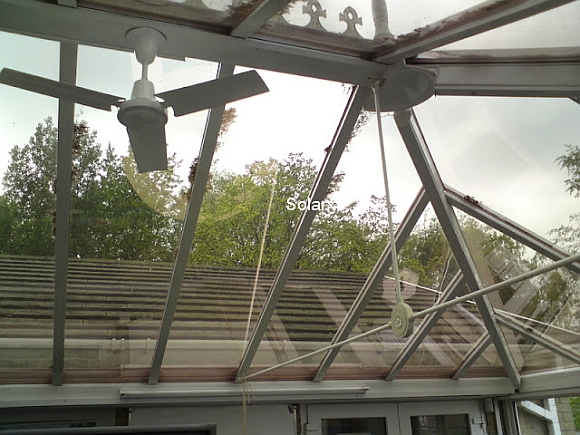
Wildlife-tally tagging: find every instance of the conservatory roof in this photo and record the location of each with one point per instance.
(70, 320)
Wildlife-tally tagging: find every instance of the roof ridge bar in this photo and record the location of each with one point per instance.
(208, 146)
(66, 119)
(341, 138)
(372, 282)
(546, 341)
(478, 19)
(419, 151)
(452, 290)
(508, 227)
(258, 17)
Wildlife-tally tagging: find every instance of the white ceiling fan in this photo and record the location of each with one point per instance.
(145, 113)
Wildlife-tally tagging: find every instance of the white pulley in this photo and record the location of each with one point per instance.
(402, 320)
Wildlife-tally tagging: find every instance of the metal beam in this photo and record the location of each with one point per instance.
(557, 383)
(512, 56)
(452, 290)
(373, 281)
(258, 17)
(472, 356)
(478, 19)
(538, 72)
(543, 340)
(342, 136)
(108, 30)
(66, 119)
(106, 395)
(509, 80)
(508, 227)
(209, 143)
(429, 175)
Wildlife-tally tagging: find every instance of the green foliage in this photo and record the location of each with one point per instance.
(426, 252)
(571, 162)
(108, 218)
(575, 405)
(233, 218)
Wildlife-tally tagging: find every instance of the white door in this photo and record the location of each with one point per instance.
(408, 418)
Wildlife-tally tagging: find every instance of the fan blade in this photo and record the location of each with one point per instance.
(149, 147)
(214, 93)
(43, 86)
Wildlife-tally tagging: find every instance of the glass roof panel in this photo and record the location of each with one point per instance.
(502, 152)
(211, 14)
(271, 150)
(408, 16)
(26, 299)
(492, 149)
(555, 28)
(489, 363)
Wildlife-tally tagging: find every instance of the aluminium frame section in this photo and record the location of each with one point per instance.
(538, 72)
(546, 341)
(476, 351)
(452, 290)
(208, 146)
(372, 282)
(508, 227)
(258, 17)
(425, 165)
(66, 119)
(470, 22)
(107, 30)
(537, 80)
(341, 138)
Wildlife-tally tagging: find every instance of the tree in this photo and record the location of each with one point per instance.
(559, 289)
(108, 217)
(571, 162)
(233, 218)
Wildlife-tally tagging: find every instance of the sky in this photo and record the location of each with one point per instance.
(501, 151)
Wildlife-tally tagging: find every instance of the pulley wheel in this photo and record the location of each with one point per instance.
(401, 322)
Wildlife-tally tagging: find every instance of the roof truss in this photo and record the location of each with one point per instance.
(209, 143)
(66, 115)
(341, 138)
(419, 152)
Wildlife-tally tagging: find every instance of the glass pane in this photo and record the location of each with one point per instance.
(406, 17)
(27, 205)
(213, 13)
(359, 426)
(505, 162)
(261, 160)
(456, 424)
(555, 28)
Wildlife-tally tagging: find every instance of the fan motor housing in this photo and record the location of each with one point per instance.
(139, 112)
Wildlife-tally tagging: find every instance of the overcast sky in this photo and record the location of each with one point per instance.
(499, 150)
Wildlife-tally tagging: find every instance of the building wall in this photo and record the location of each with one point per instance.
(565, 416)
(533, 425)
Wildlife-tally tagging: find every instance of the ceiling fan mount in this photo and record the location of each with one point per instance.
(146, 43)
(404, 86)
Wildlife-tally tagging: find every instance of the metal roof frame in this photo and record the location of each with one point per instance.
(535, 75)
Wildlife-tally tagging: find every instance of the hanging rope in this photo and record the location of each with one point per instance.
(401, 315)
(388, 197)
(259, 262)
(246, 396)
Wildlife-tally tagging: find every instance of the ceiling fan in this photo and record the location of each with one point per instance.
(145, 113)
